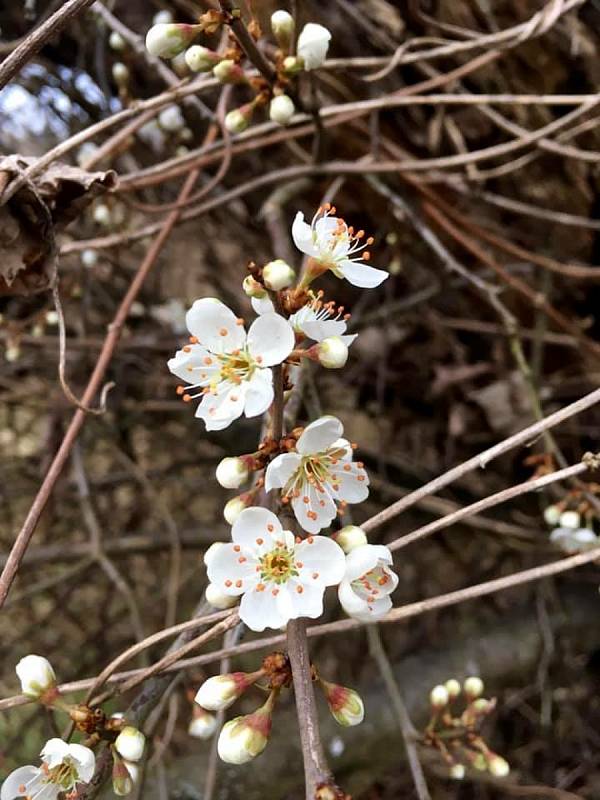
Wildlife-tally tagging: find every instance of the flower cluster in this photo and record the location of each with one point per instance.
(176, 41)
(569, 532)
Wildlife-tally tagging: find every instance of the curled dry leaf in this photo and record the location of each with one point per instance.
(34, 214)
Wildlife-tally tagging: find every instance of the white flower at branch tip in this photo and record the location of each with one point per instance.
(316, 320)
(350, 537)
(319, 476)
(278, 275)
(171, 119)
(570, 519)
(243, 738)
(228, 368)
(281, 109)
(167, 40)
(202, 725)
(278, 577)
(217, 599)
(332, 352)
(130, 743)
(221, 691)
(63, 766)
(232, 472)
(313, 44)
(36, 675)
(332, 245)
(346, 705)
(201, 59)
(365, 591)
(473, 687)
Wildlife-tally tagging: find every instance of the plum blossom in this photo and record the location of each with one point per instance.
(319, 475)
(313, 44)
(63, 766)
(573, 540)
(278, 577)
(332, 245)
(229, 368)
(368, 583)
(316, 320)
(36, 675)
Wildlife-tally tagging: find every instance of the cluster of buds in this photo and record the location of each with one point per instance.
(127, 752)
(457, 737)
(572, 527)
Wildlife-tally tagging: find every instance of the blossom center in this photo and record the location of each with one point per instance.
(278, 566)
(236, 366)
(64, 775)
(371, 584)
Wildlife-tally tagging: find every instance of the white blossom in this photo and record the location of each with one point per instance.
(36, 675)
(230, 369)
(231, 472)
(498, 766)
(570, 519)
(332, 245)
(571, 540)
(473, 687)
(316, 320)
(200, 59)
(313, 44)
(167, 40)
(438, 697)
(63, 766)
(319, 476)
(130, 743)
(278, 577)
(281, 109)
(202, 725)
(365, 591)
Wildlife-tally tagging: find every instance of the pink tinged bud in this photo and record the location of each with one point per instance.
(121, 779)
(232, 472)
(227, 71)
(167, 40)
(237, 121)
(473, 688)
(498, 767)
(217, 599)
(252, 288)
(438, 697)
(345, 704)
(281, 109)
(130, 744)
(350, 537)
(221, 691)
(36, 675)
(244, 738)
(202, 725)
(278, 275)
(201, 59)
(332, 353)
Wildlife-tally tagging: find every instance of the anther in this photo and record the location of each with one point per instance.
(260, 541)
(299, 589)
(186, 398)
(237, 548)
(180, 389)
(228, 583)
(238, 584)
(223, 332)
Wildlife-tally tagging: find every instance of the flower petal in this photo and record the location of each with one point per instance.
(350, 601)
(320, 554)
(360, 274)
(360, 561)
(220, 408)
(303, 237)
(215, 326)
(18, 778)
(352, 483)
(86, 761)
(280, 470)
(301, 599)
(259, 393)
(270, 339)
(256, 523)
(319, 435)
(54, 752)
(233, 571)
(314, 510)
(262, 305)
(259, 610)
(194, 365)
(324, 328)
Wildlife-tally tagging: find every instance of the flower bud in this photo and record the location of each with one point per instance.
(498, 766)
(453, 688)
(438, 697)
(51, 318)
(36, 675)
(313, 44)
(221, 691)
(116, 41)
(217, 599)
(102, 215)
(292, 65)
(244, 738)
(238, 120)
(201, 59)
(281, 109)
(130, 744)
(234, 507)
(332, 352)
(202, 725)
(167, 40)
(232, 472)
(473, 687)
(121, 779)
(552, 515)
(171, 119)
(570, 519)
(227, 71)
(346, 705)
(120, 74)
(457, 771)
(89, 258)
(252, 288)
(350, 537)
(282, 25)
(278, 275)
(482, 706)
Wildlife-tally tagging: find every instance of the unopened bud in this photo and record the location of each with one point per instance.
(116, 41)
(237, 121)
(171, 119)
(332, 352)
(234, 507)
(121, 779)
(102, 215)
(292, 65)
(217, 599)
(282, 25)
(120, 74)
(278, 275)
(227, 71)
(167, 40)
(346, 705)
(202, 725)
(244, 738)
(313, 44)
(130, 744)
(201, 59)
(498, 766)
(252, 288)
(457, 771)
(438, 697)
(281, 109)
(36, 675)
(89, 258)
(51, 318)
(482, 706)
(570, 519)
(453, 688)
(473, 687)
(221, 691)
(350, 537)
(232, 472)
(552, 515)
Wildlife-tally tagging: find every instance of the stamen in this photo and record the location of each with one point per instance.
(223, 332)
